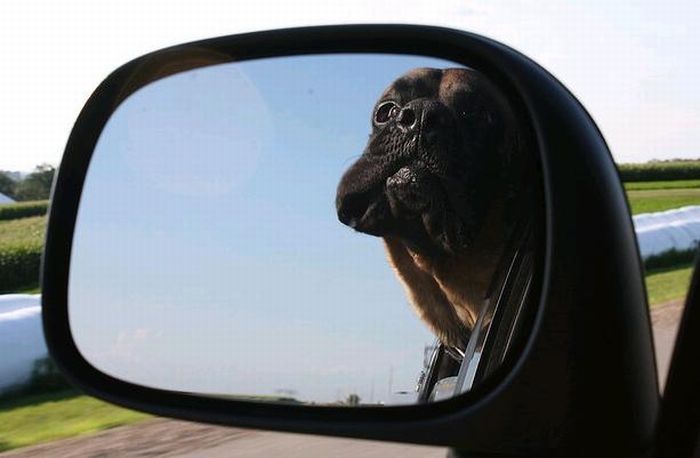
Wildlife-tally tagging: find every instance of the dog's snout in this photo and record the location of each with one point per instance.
(351, 207)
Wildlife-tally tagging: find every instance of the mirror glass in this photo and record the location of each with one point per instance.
(355, 230)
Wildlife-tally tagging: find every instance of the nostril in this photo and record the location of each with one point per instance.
(406, 118)
(351, 208)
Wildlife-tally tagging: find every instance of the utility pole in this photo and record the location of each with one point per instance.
(391, 381)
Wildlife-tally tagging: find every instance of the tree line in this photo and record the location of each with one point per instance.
(34, 186)
(686, 169)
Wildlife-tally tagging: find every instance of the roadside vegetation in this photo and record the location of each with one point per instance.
(656, 200)
(24, 209)
(21, 244)
(671, 283)
(676, 169)
(49, 409)
(22, 227)
(648, 185)
(29, 187)
(45, 417)
(670, 259)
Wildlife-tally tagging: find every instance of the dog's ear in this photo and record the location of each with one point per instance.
(519, 169)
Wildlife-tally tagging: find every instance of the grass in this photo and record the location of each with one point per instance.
(664, 285)
(42, 418)
(676, 184)
(22, 231)
(655, 200)
(34, 288)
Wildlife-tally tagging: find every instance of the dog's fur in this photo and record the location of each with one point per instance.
(439, 181)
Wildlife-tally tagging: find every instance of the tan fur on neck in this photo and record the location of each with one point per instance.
(448, 293)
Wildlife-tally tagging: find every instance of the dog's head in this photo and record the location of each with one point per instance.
(434, 161)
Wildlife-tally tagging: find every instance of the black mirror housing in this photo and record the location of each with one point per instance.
(586, 376)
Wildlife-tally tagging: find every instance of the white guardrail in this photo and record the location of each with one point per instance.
(22, 339)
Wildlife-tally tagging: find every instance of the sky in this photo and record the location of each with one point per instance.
(208, 256)
(632, 64)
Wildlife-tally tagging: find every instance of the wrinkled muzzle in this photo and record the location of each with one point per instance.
(361, 201)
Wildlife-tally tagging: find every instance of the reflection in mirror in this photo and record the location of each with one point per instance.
(240, 236)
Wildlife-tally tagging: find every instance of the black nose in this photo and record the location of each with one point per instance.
(407, 117)
(425, 114)
(351, 207)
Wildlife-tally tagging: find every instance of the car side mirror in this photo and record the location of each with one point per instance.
(225, 244)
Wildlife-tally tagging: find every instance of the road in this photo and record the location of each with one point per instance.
(665, 319)
(161, 437)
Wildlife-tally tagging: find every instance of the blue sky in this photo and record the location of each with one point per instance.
(207, 238)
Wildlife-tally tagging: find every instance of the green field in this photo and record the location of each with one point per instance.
(655, 200)
(677, 184)
(43, 418)
(23, 231)
(665, 285)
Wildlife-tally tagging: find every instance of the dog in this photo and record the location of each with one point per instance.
(441, 180)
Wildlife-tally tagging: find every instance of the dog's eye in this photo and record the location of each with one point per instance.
(385, 112)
